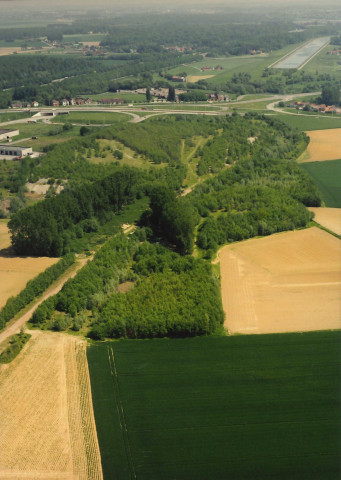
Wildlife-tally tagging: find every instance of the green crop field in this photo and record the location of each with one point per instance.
(309, 122)
(327, 177)
(242, 408)
(325, 64)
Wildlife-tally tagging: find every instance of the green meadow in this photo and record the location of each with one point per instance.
(327, 177)
(243, 407)
(309, 122)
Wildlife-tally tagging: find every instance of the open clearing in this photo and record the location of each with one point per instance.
(47, 428)
(289, 282)
(249, 407)
(323, 145)
(328, 217)
(15, 272)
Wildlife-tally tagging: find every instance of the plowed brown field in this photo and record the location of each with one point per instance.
(47, 427)
(328, 217)
(287, 282)
(323, 145)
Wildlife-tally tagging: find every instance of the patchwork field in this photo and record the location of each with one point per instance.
(289, 282)
(328, 217)
(327, 177)
(323, 145)
(249, 407)
(47, 428)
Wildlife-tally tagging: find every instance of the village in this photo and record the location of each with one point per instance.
(312, 107)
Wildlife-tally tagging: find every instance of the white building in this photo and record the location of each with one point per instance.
(14, 151)
(6, 134)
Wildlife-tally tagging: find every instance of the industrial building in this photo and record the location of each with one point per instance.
(6, 134)
(14, 151)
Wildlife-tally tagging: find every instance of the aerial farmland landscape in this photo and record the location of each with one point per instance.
(170, 226)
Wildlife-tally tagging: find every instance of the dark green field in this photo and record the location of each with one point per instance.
(327, 176)
(306, 123)
(237, 408)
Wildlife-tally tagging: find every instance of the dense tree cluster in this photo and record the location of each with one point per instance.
(34, 288)
(160, 139)
(217, 35)
(87, 80)
(172, 218)
(88, 289)
(41, 69)
(46, 228)
(251, 211)
(177, 297)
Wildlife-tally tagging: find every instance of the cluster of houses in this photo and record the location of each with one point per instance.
(24, 104)
(72, 101)
(322, 108)
(334, 52)
(111, 101)
(178, 78)
(65, 102)
(218, 97)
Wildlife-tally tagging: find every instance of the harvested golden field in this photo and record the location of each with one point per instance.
(47, 427)
(289, 282)
(196, 78)
(5, 239)
(323, 145)
(15, 272)
(328, 217)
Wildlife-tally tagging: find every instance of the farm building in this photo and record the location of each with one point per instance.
(14, 151)
(6, 134)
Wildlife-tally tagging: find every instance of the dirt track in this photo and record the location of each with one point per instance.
(55, 288)
(283, 283)
(15, 272)
(47, 428)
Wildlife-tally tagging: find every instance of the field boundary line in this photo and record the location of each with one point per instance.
(120, 411)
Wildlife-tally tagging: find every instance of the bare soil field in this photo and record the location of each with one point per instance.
(196, 78)
(5, 239)
(323, 145)
(328, 217)
(289, 282)
(15, 272)
(47, 427)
